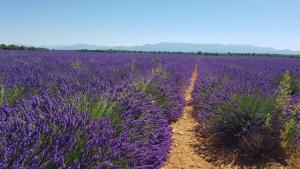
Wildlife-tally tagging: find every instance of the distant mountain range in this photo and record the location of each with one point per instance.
(182, 47)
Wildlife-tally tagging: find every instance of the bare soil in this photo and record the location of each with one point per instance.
(183, 154)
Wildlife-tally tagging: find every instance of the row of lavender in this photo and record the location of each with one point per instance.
(248, 107)
(63, 109)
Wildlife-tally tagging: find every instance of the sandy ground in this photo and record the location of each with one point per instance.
(183, 155)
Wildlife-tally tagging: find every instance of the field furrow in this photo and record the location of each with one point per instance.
(183, 154)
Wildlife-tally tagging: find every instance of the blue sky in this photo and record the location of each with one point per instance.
(273, 23)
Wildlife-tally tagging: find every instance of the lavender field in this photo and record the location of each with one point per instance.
(75, 109)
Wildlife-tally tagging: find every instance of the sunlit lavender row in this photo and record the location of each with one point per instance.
(75, 109)
(64, 109)
(249, 109)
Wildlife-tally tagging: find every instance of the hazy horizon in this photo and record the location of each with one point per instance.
(154, 43)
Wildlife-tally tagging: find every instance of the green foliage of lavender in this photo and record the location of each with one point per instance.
(283, 92)
(161, 91)
(10, 95)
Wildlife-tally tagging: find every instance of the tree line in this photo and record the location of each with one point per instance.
(194, 53)
(17, 47)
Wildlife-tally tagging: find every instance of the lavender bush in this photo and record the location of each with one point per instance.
(245, 105)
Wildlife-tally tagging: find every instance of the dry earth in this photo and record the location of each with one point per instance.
(183, 154)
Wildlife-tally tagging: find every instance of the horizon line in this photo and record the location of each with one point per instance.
(153, 43)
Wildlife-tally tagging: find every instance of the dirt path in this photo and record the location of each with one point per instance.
(183, 154)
